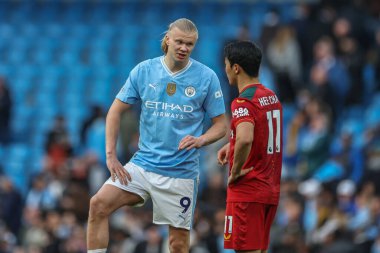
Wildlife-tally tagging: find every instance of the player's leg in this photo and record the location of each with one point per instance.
(174, 202)
(108, 199)
(179, 240)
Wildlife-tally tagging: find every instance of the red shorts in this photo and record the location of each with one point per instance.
(247, 225)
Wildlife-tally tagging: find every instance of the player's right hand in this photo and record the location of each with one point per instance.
(223, 154)
(118, 171)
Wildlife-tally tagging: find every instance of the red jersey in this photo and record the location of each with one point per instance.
(260, 106)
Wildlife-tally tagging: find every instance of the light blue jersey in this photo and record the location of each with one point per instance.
(173, 105)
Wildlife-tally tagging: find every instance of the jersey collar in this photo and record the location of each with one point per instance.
(173, 74)
(249, 86)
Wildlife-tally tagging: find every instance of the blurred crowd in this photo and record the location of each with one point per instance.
(324, 64)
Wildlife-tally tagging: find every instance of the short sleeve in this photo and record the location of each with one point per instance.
(214, 103)
(129, 93)
(242, 111)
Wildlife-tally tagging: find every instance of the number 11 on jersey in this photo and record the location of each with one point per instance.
(271, 115)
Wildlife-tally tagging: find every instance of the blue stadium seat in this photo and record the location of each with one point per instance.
(353, 112)
(372, 116)
(78, 31)
(35, 163)
(99, 58)
(267, 77)
(18, 174)
(30, 30)
(17, 152)
(205, 12)
(21, 116)
(41, 56)
(39, 136)
(19, 86)
(5, 69)
(95, 139)
(177, 10)
(233, 14)
(256, 19)
(15, 158)
(127, 12)
(6, 31)
(151, 48)
(152, 14)
(48, 84)
(54, 30)
(16, 56)
(75, 13)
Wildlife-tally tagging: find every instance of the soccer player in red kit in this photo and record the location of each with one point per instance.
(254, 153)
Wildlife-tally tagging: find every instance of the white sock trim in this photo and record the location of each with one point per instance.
(97, 251)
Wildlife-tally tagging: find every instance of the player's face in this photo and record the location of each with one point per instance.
(230, 72)
(180, 44)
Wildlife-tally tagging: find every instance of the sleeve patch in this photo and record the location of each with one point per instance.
(218, 94)
(240, 112)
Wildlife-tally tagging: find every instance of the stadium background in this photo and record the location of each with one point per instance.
(62, 63)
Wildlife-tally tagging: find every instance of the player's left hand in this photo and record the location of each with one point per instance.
(189, 142)
(233, 177)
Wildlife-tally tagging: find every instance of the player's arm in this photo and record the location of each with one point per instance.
(223, 154)
(112, 131)
(243, 144)
(217, 131)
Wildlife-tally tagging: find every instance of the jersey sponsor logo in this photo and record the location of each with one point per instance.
(240, 101)
(190, 91)
(240, 112)
(171, 88)
(168, 110)
(218, 94)
(227, 237)
(168, 106)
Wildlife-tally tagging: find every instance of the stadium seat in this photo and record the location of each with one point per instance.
(372, 116)
(30, 30)
(19, 175)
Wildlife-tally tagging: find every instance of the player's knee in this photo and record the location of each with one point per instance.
(98, 208)
(178, 246)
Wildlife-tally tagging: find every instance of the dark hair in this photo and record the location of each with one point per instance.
(246, 54)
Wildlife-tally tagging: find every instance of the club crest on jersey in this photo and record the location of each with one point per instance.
(190, 91)
(171, 88)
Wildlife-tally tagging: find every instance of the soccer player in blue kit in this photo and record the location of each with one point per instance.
(176, 92)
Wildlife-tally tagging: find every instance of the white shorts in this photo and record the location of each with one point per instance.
(173, 199)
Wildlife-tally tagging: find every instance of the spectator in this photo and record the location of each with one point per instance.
(11, 205)
(339, 241)
(153, 242)
(282, 50)
(5, 112)
(58, 146)
(330, 73)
